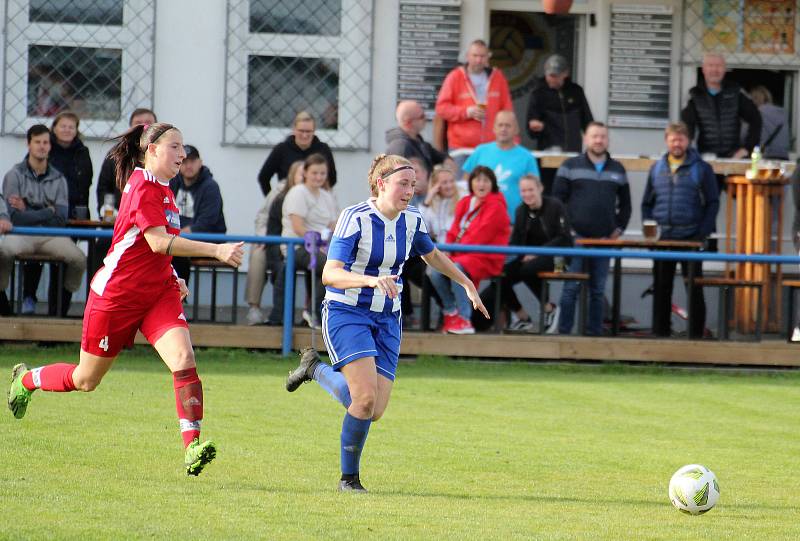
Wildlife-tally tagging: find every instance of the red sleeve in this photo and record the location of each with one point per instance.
(490, 227)
(147, 206)
(446, 106)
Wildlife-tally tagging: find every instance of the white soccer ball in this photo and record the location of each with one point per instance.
(694, 489)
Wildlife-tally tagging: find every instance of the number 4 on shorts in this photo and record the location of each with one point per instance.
(104, 343)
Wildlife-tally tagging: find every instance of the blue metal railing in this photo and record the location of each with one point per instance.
(289, 264)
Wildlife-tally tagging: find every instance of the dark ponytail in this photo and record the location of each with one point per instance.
(128, 151)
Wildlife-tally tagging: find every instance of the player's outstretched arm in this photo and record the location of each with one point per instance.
(443, 264)
(162, 242)
(334, 275)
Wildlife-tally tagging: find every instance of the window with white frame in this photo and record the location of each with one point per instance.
(93, 57)
(284, 56)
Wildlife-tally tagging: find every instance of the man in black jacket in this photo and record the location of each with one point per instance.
(296, 148)
(199, 200)
(405, 140)
(594, 187)
(557, 112)
(716, 110)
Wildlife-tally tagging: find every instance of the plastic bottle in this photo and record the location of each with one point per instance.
(755, 160)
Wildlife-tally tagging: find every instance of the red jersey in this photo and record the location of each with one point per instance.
(132, 273)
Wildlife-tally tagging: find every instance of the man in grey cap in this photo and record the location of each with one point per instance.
(557, 112)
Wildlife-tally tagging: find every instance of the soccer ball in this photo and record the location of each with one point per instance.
(693, 489)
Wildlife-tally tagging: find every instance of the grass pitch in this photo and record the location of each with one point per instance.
(466, 450)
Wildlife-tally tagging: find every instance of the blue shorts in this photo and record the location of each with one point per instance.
(352, 333)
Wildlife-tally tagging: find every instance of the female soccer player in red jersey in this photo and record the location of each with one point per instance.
(137, 289)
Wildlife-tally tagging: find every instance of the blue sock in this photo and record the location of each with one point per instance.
(354, 435)
(333, 382)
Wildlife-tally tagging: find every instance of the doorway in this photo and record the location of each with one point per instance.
(520, 42)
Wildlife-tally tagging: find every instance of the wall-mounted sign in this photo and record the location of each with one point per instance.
(429, 42)
(639, 67)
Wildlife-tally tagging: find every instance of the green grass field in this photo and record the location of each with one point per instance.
(467, 450)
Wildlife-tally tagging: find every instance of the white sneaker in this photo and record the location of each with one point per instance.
(796, 335)
(521, 325)
(255, 316)
(313, 323)
(551, 320)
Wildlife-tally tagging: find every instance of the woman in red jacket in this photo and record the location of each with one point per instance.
(480, 218)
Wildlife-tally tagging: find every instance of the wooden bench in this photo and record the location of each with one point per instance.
(726, 286)
(197, 264)
(552, 276)
(790, 286)
(60, 265)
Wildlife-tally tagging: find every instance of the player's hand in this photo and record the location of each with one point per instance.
(230, 253)
(182, 287)
(477, 303)
(386, 284)
(536, 125)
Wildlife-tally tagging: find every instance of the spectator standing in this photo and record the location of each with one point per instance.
(310, 207)
(470, 98)
(480, 218)
(540, 221)
(558, 113)
(199, 200)
(37, 196)
(715, 111)
(405, 140)
(70, 156)
(594, 188)
(774, 141)
(509, 160)
(683, 198)
(301, 144)
(268, 256)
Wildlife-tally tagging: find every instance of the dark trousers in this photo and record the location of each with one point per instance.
(518, 271)
(302, 259)
(276, 265)
(32, 274)
(663, 278)
(414, 273)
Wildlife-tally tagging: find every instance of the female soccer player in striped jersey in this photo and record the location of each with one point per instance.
(137, 288)
(361, 322)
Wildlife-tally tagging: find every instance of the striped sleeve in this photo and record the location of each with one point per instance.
(345, 236)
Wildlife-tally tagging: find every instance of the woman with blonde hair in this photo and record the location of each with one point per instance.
(361, 317)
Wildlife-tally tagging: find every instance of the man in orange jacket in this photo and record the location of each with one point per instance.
(469, 99)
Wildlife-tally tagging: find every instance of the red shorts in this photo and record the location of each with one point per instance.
(109, 327)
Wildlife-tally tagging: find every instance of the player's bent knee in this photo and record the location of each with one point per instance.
(86, 385)
(184, 359)
(363, 405)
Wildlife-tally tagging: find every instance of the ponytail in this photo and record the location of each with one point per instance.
(128, 151)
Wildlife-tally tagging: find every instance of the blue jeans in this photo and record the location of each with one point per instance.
(597, 267)
(454, 297)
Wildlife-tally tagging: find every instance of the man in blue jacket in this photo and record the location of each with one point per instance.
(594, 188)
(682, 196)
(199, 200)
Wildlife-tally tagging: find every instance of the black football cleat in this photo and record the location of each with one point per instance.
(309, 358)
(351, 485)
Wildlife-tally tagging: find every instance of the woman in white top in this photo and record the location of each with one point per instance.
(439, 207)
(310, 207)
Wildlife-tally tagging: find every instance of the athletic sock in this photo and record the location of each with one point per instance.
(189, 403)
(354, 435)
(55, 378)
(333, 382)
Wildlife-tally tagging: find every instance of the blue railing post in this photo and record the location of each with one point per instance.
(288, 301)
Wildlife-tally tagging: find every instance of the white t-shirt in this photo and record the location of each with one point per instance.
(318, 211)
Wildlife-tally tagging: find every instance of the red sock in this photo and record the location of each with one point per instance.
(189, 403)
(53, 377)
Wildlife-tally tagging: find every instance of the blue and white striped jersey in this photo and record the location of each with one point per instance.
(368, 243)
